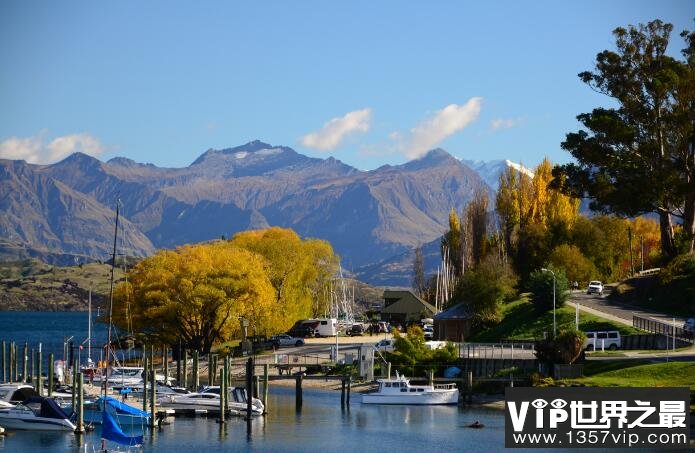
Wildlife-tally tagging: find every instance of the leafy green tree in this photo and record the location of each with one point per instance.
(541, 285)
(639, 157)
(603, 240)
(485, 288)
(571, 260)
(410, 351)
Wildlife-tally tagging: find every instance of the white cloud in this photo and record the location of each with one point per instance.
(502, 123)
(444, 123)
(35, 150)
(335, 130)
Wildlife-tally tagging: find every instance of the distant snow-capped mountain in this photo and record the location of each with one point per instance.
(491, 170)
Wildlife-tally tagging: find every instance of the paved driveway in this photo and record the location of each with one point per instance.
(617, 311)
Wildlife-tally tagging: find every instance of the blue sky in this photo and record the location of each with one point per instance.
(370, 83)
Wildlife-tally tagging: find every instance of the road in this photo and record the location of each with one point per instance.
(616, 311)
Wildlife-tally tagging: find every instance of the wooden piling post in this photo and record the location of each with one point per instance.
(50, 375)
(342, 393)
(39, 384)
(153, 392)
(249, 386)
(33, 367)
(265, 388)
(25, 367)
(185, 368)
(347, 399)
(225, 382)
(430, 377)
(165, 363)
(178, 366)
(388, 369)
(196, 376)
(73, 386)
(12, 361)
(298, 392)
(145, 377)
(80, 403)
(16, 363)
(213, 358)
(4, 361)
(223, 396)
(256, 386)
(469, 386)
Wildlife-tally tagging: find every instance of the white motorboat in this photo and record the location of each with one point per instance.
(128, 376)
(36, 413)
(209, 399)
(400, 391)
(11, 394)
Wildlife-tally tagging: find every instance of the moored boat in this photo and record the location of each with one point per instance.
(399, 390)
(36, 413)
(13, 393)
(209, 400)
(124, 414)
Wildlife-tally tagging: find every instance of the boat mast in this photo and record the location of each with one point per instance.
(89, 328)
(113, 266)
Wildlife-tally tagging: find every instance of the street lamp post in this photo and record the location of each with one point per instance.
(554, 322)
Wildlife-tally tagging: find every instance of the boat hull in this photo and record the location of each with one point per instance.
(418, 399)
(35, 423)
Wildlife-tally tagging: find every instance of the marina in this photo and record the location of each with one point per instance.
(321, 425)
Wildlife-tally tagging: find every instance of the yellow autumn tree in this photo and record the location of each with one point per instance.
(196, 294)
(299, 270)
(646, 242)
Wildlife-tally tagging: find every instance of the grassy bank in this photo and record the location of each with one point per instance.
(638, 373)
(521, 321)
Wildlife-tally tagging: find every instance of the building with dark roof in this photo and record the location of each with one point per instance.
(404, 307)
(454, 323)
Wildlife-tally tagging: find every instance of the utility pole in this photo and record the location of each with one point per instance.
(641, 253)
(629, 240)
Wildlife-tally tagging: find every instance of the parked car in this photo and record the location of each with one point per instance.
(602, 340)
(287, 340)
(302, 331)
(689, 325)
(356, 329)
(428, 330)
(595, 287)
(385, 345)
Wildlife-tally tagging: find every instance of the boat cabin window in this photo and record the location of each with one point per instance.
(420, 390)
(413, 390)
(388, 384)
(404, 390)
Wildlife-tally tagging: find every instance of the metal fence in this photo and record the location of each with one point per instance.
(668, 329)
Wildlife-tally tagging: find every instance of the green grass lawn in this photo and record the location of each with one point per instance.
(521, 321)
(638, 373)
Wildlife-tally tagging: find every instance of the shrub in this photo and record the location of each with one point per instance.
(565, 348)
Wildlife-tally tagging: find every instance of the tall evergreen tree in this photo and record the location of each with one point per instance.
(640, 156)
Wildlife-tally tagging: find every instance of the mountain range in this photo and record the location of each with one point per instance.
(67, 208)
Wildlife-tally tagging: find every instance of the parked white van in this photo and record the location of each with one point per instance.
(598, 341)
(327, 327)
